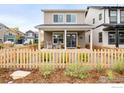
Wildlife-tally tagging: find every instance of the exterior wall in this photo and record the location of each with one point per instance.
(81, 39)
(48, 17)
(94, 13)
(47, 38)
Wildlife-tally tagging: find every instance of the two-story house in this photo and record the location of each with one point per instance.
(10, 34)
(109, 25)
(31, 37)
(64, 29)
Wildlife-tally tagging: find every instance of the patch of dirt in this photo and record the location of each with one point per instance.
(57, 77)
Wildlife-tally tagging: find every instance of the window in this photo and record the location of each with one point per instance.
(93, 20)
(113, 16)
(58, 18)
(71, 18)
(122, 16)
(111, 37)
(30, 34)
(100, 36)
(121, 37)
(100, 16)
(57, 38)
(89, 38)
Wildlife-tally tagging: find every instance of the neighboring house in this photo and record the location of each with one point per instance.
(109, 25)
(31, 37)
(8, 34)
(64, 29)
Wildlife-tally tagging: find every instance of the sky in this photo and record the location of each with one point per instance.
(26, 16)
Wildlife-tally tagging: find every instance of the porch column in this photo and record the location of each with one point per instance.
(65, 32)
(91, 39)
(39, 40)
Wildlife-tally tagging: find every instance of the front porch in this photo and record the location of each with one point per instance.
(64, 37)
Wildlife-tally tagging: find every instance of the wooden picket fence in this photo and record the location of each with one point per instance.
(30, 58)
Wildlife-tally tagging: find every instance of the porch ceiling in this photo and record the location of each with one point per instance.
(72, 27)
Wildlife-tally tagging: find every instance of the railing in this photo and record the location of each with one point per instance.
(30, 58)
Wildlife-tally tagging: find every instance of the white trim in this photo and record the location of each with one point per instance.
(71, 22)
(39, 40)
(91, 40)
(57, 22)
(65, 39)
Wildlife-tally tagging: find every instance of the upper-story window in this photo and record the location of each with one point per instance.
(122, 16)
(71, 18)
(113, 16)
(30, 34)
(100, 16)
(93, 20)
(58, 18)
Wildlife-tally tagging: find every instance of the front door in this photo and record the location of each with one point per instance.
(71, 40)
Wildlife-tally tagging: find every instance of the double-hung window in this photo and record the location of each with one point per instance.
(122, 16)
(71, 18)
(121, 37)
(58, 18)
(113, 16)
(111, 37)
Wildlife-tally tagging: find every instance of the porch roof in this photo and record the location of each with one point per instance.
(64, 26)
(113, 27)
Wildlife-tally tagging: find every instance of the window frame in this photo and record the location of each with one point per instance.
(93, 20)
(100, 16)
(112, 22)
(71, 14)
(57, 33)
(57, 22)
(100, 38)
(121, 16)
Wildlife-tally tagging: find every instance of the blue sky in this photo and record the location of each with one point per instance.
(26, 16)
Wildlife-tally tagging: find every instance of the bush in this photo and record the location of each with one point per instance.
(78, 71)
(46, 70)
(99, 67)
(119, 66)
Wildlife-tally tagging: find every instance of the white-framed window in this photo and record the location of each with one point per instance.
(100, 16)
(58, 37)
(70, 18)
(30, 34)
(58, 18)
(113, 16)
(122, 16)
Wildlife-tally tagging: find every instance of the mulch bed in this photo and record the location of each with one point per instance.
(57, 77)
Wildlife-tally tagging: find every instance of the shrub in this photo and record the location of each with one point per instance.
(78, 71)
(46, 70)
(99, 67)
(110, 74)
(119, 66)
